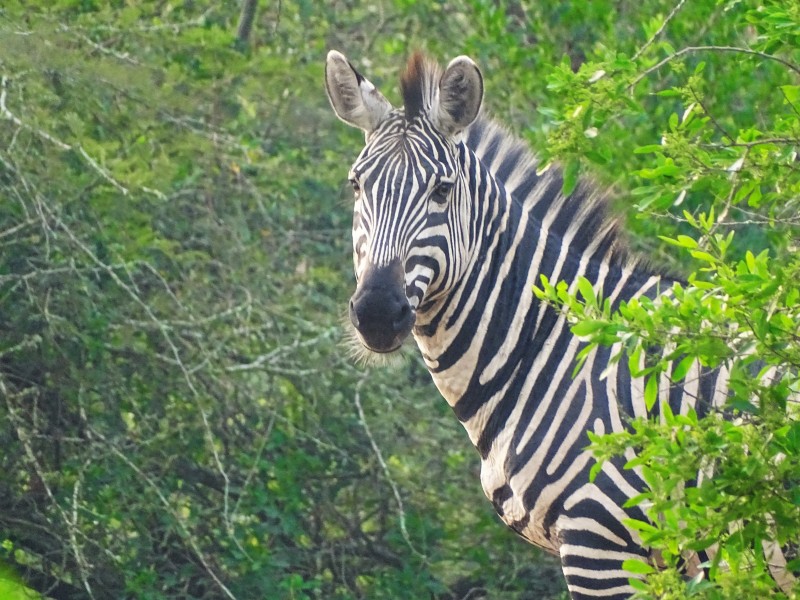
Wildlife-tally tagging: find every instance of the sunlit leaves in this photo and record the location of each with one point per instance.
(722, 166)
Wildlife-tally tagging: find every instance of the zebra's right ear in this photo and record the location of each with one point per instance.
(354, 99)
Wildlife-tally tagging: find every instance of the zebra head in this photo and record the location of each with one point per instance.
(409, 225)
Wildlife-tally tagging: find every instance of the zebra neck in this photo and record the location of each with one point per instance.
(488, 303)
(482, 340)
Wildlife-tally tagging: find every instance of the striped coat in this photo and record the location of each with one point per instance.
(452, 228)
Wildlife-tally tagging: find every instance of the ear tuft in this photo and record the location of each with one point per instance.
(460, 95)
(354, 99)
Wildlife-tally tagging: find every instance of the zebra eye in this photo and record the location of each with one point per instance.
(356, 186)
(442, 191)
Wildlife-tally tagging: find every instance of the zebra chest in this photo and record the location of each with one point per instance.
(509, 503)
(506, 487)
(510, 507)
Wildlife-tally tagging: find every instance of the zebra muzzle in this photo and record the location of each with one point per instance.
(379, 310)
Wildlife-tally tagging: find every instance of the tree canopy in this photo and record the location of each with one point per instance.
(180, 417)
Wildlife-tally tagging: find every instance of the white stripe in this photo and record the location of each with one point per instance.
(621, 589)
(595, 553)
(598, 574)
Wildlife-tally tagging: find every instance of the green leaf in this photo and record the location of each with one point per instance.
(637, 566)
(640, 525)
(585, 328)
(587, 291)
(791, 93)
(595, 471)
(666, 411)
(651, 391)
(596, 157)
(682, 241)
(682, 368)
(744, 406)
(649, 149)
(637, 499)
(635, 362)
(571, 170)
(704, 256)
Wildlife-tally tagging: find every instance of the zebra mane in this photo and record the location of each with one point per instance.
(583, 215)
(419, 84)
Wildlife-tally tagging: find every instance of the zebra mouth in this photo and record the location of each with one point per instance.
(382, 351)
(382, 331)
(380, 311)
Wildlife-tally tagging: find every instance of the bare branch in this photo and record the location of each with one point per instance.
(186, 534)
(763, 142)
(385, 468)
(7, 114)
(693, 49)
(125, 57)
(23, 435)
(660, 29)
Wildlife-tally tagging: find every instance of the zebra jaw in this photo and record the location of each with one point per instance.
(379, 310)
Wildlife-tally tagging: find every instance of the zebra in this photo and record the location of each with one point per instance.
(452, 227)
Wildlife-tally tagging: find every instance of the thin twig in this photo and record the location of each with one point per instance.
(103, 173)
(395, 490)
(16, 120)
(16, 228)
(125, 57)
(230, 518)
(716, 123)
(763, 142)
(6, 113)
(173, 349)
(728, 202)
(24, 437)
(790, 221)
(175, 26)
(660, 29)
(181, 525)
(692, 49)
(270, 358)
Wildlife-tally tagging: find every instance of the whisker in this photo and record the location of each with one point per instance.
(362, 355)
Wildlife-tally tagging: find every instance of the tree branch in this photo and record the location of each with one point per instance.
(246, 18)
(385, 468)
(693, 49)
(660, 29)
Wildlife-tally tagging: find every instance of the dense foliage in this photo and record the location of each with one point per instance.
(725, 170)
(178, 416)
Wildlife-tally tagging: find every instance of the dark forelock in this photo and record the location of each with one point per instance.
(418, 81)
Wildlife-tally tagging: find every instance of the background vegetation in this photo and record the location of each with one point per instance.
(178, 416)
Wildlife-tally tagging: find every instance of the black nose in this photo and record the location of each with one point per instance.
(380, 311)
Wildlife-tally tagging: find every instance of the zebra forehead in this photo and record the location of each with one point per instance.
(417, 147)
(396, 171)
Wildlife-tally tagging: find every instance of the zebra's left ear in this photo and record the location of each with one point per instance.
(460, 96)
(354, 99)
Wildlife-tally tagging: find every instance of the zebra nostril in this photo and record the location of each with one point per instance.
(403, 316)
(353, 314)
